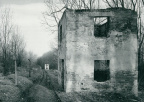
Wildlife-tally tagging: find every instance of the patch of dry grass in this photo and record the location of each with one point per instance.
(23, 72)
(94, 97)
(23, 82)
(6, 82)
(53, 75)
(8, 91)
(39, 93)
(36, 74)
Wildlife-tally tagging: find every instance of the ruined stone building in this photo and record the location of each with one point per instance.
(97, 50)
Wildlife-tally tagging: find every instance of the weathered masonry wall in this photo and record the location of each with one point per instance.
(81, 48)
(62, 52)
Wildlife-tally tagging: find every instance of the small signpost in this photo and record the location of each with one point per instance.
(46, 66)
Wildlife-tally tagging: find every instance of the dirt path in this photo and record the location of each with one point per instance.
(41, 91)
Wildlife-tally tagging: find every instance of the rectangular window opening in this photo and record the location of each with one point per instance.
(101, 70)
(101, 26)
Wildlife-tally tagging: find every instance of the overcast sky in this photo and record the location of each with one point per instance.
(20, 2)
(28, 16)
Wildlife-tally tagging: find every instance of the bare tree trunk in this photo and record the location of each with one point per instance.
(5, 30)
(15, 72)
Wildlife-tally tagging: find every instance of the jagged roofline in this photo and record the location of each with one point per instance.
(114, 9)
(99, 10)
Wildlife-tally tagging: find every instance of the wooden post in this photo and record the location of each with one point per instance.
(15, 72)
(15, 66)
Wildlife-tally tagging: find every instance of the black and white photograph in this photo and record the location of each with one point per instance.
(71, 50)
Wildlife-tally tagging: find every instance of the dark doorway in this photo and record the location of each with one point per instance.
(101, 70)
(62, 72)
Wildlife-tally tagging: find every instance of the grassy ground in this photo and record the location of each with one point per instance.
(94, 97)
(23, 82)
(39, 93)
(8, 91)
(53, 77)
(23, 72)
(89, 96)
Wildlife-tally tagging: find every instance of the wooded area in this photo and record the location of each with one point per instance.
(12, 44)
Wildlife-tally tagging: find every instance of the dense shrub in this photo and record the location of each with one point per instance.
(39, 93)
(23, 72)
(23, 82)
(36, 74)
(6, 82)
(8, 91)
(53, 77)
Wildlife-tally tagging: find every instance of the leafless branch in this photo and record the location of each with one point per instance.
(58, 10)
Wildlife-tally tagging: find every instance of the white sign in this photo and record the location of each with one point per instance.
(46, 66)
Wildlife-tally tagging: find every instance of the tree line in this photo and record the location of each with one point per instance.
(12, 44)
(50, 58)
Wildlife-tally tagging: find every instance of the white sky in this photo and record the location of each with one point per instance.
(28, 17)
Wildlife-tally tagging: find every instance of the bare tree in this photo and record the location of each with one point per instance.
(5, 31)
(55, 10)
(17, 46)
(81, 4)
(12, 44)
(129, 4)
(51, 15)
